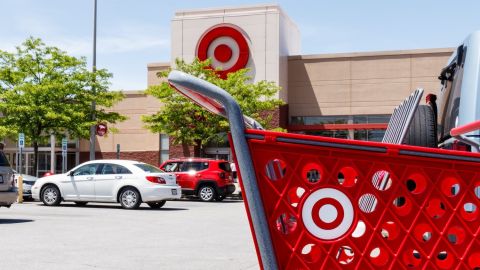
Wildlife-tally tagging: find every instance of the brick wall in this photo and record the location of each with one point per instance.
(151, 157)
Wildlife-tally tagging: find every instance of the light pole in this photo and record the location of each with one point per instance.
(94, 69)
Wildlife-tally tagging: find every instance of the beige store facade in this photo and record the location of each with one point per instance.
(346, 95)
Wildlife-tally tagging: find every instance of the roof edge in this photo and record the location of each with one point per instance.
(371, 54)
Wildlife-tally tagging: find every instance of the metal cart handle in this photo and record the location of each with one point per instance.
(211, 104)
(465, 128)
(219, 101)
(459, 134)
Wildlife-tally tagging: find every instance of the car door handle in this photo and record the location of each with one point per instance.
(90, 178)
(118, 177)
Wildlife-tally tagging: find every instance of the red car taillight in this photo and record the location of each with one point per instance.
(156, 179)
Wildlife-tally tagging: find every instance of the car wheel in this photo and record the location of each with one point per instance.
(156, 205)
(220, 198)
(130, 198)
(207, 193)
(81, 203)
(422, 130)
(51, 196)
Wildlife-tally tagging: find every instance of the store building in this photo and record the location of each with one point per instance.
(346, 95)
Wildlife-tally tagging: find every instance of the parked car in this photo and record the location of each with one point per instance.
(127, 182)
(209, 179)
(28, 181)
(8, 191)
(457, 103)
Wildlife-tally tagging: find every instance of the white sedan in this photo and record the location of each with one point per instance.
(125, 181)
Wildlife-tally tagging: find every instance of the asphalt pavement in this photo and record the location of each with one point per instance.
(182, 235)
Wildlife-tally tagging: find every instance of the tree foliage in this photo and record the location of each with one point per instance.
(189, 124)
(45, 91)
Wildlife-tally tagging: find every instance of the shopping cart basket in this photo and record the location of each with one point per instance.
(314, 202)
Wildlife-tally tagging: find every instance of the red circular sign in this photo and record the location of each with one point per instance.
(327, 225)
(227, 47)
(328, 214)
(223, 53)
(102, 129)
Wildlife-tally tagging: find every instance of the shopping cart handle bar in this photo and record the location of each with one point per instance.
(219, 101)
(198, 91)
(465, 128)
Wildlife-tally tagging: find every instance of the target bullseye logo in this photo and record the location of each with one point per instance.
(226, 46)
(328, 214)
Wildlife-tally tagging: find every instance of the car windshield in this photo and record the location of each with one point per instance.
(148, 168)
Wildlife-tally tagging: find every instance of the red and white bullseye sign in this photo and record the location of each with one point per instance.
(226, 46)
(328, 214)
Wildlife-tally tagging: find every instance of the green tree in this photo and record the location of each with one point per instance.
(45, 91)
(189, 124)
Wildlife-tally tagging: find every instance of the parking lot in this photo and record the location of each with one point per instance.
(182, 235)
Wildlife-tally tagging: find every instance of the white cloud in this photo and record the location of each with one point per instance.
(108, 44)
(83, 46)
(121, 37)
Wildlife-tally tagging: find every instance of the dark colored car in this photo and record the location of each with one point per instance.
(457, 103)
(208, 179)
(8, 191)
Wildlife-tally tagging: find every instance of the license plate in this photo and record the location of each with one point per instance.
(174, 192)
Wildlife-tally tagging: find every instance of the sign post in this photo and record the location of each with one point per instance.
(21, 145)
(118, 151)
(64, 154)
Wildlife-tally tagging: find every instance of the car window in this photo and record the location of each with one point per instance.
(172, 167)
(148, 168)
(122, 170)
(453, 105)
(114, 169)
(3, 160)
(89, 169)
(193, 166)
(225, 166)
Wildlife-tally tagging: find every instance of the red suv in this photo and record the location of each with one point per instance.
(209, 179)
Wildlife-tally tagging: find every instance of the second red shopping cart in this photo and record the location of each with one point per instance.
(324, 203)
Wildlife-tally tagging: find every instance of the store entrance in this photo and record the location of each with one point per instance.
(218, 153)
(43, 162)
(27, 163)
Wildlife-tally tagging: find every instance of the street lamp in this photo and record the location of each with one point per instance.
(94, 69)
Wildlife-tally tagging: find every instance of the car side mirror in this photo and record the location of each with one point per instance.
(70, 173)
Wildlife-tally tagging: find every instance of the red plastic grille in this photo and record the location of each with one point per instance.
(334, 208)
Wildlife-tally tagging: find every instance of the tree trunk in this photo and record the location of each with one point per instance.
(197, 148)
(186, 149)
(35, 158)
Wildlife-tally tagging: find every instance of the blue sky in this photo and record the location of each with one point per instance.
(134, 33)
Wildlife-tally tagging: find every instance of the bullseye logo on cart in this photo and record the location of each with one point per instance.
(227, 48)
(328, 214)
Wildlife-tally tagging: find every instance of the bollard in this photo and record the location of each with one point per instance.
(20, 189)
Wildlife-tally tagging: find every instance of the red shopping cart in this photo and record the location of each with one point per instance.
(326, 203)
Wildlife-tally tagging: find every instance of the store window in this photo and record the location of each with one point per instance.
(164, 148)
(371, 119)
(362, 132)
(343, 134)
(319, 120)
(375, 135)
